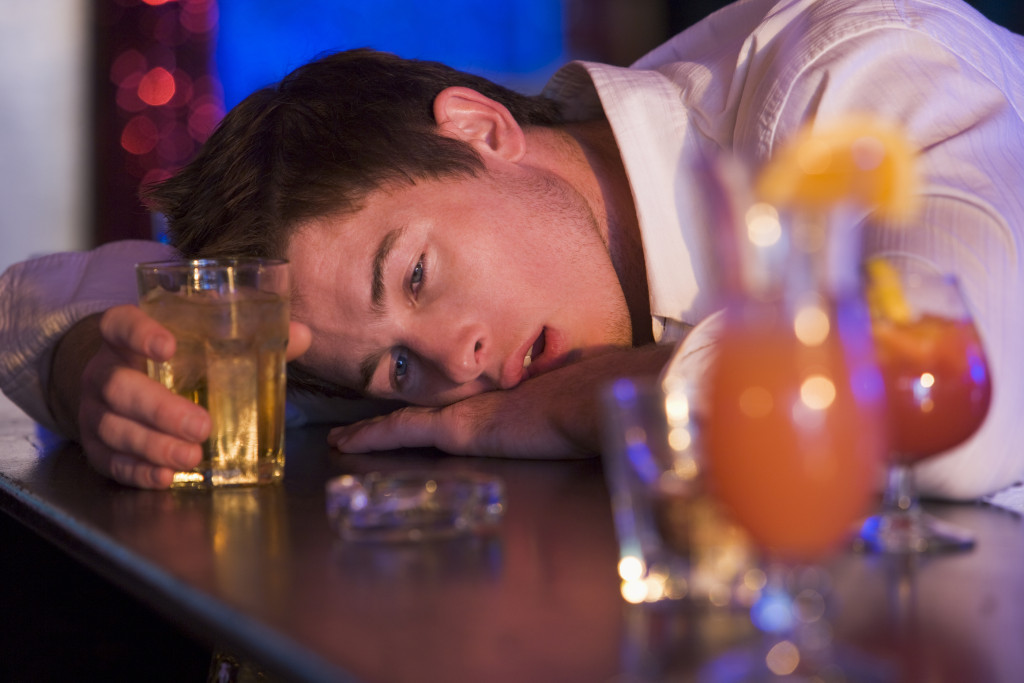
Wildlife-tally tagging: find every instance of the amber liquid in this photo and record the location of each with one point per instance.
(937, 383)
(793, 451)
(230, 359)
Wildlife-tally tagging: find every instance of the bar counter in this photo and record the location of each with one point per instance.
(258, 571)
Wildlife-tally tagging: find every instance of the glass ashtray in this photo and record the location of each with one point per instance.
(413, 505)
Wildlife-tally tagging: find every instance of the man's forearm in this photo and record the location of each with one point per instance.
(578, 416)
(70, 356)
(558, 414)
(554, 415)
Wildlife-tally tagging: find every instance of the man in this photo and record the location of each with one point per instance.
(520, 255)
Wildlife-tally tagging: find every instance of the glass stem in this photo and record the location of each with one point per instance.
(900, 492)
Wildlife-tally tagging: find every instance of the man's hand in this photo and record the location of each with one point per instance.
(132, 428)
(550, 416)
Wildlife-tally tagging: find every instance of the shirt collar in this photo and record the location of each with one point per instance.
(660, 150)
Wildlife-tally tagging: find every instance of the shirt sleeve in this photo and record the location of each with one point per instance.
(43, 298)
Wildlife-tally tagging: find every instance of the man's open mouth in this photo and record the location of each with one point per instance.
(535, 351)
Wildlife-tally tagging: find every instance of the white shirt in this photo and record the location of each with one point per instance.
(747, 77)
(744, 79)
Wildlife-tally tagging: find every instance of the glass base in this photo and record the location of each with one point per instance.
(217, 473)
(783, 663)
(794, 640)
(911, 531)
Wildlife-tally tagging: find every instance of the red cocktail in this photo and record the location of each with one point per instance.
(936, 383)
(938, 391)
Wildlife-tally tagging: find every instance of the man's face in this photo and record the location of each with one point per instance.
(444, 289)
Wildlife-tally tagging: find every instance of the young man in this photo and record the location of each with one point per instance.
(506, 258)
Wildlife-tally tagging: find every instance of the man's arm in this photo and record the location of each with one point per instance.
(550, 416)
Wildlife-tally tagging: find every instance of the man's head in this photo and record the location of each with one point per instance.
(318, 143)
(444, 232)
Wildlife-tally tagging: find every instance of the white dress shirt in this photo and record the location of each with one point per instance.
(748, 76)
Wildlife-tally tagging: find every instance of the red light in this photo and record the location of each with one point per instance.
(157, 87)
(139, 135)
(128, 63)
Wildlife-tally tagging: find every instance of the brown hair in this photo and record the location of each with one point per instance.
(317, 143)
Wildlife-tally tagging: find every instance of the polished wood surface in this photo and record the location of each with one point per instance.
(538, 600)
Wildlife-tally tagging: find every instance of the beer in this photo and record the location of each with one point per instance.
(230, 359)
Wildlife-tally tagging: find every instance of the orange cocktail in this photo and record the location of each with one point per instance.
(936, 380)
(794, 439)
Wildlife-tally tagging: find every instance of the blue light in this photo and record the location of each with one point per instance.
(642, 461)
(624, 391)
(979, 370)
(773, 611)
(518, 43)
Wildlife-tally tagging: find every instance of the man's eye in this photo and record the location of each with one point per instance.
(417, 277)
(400, 368)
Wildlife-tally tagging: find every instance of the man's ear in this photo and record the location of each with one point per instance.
(465, 114)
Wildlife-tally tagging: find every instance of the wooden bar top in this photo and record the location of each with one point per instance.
(538, 600)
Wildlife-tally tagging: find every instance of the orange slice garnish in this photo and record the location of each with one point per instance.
(884, 294)
(854, 159)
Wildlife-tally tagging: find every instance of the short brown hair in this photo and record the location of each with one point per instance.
(317, 143)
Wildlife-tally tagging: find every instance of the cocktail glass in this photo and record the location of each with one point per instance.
(938, 391)
(794, 441)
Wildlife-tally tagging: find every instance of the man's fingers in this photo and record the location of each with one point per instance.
(118, 434)
(133, 395)
(134, 472)
(412, 427)
(299, 339)
(132, 428)
(127, 469)
(111, 385)
(129, 330)
(494, 423)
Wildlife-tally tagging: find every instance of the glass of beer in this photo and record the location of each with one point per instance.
(230, 320)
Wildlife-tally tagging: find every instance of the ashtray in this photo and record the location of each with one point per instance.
(413, 505)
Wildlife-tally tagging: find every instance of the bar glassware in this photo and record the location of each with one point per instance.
(938, 391)
(229, 318)
(674, 543)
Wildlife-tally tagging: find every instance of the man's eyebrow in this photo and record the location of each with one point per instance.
(380, 258)
(367, 368)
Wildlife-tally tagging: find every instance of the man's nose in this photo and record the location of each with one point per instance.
(460, 353)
